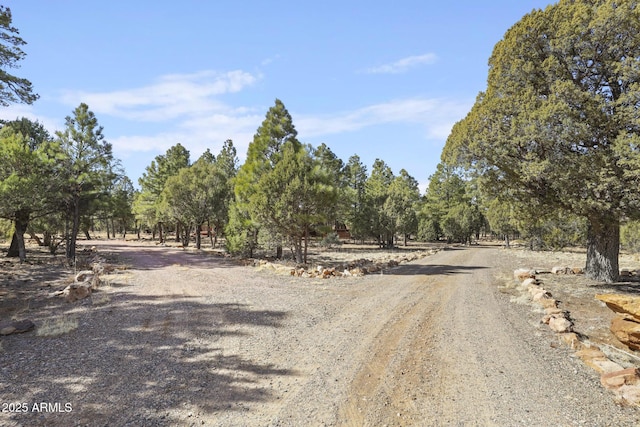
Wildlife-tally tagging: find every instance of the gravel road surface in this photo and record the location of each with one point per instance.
(185, 339)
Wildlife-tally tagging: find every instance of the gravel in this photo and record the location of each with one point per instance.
(188, 339)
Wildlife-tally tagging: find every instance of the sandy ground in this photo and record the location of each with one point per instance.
(181, 338)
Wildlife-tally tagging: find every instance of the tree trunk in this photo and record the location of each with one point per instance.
(198, 236)
(507, 245)
(160, 232)
(603, 248)
(13, 247)
(46, 238)
(75, 228)
(34, 236)
(306, 242)
(298, 249)
(106, 221)
(178, 231)
(279, 252)
(17, 247)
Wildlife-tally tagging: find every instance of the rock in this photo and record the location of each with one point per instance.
(357, 272)
(597, 360)
(627, 331)
(346, 273)
(555, 310)
(530, 282)
(616, 379)
(560, 324)
(9, 327)
(622, 303)
(522, 274)
(572, 340)
(77, 291)
(560, 270)
(84, 276)
(625, 272)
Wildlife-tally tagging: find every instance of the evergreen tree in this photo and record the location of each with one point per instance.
(87, 166)
(558, 126)
(263, 154)
(12, 88)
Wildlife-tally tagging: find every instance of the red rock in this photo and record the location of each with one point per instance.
(622, 303)
(613, 380)
(627, 331)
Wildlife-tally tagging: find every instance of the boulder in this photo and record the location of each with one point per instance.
(522, 274)
(529, 282)
(9, 327)
(572, 340)
(76, 291)
(597, 360)
(625, 304)
(560, 324)
(627, 331)
(616, 379)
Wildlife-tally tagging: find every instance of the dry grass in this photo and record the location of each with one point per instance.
(57, 326)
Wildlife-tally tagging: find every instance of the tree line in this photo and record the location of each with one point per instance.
(550, 152)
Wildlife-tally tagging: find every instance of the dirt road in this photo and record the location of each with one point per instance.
(184, 339)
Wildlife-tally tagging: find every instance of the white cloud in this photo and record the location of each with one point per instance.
(171, 97)
(17, 111)
(403, 65)
(437, 116)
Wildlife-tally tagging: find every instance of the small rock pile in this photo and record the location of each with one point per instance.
(357, 268)
(624, 383)
(558, 320)
(86, 281)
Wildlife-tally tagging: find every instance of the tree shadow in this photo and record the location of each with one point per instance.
(142, 361)
(626, 287)
(432, 269)
(154, 257)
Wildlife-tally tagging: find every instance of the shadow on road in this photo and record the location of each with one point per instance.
(141, 360)
(432, 269)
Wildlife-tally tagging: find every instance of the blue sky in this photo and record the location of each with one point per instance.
(379, 79)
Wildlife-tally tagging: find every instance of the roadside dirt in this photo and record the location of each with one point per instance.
(185, 338)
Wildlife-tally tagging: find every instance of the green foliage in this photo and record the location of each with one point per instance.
(28, 184)
(381, 225)
(402, 204)
(446, 191)
(87, 168)
(263, 154)
(331, 240)
(195, 195)
(12, 88)
(558, 125)
(147, 204)
(357, 211)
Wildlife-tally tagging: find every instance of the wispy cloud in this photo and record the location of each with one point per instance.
(437, 116)
(403, 65)
(172, 96)
(17, 111)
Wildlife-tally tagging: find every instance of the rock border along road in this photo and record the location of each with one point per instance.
(188, 339)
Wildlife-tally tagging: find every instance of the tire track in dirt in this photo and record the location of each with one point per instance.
(389, 387)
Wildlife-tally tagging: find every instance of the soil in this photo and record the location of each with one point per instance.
(178, 337)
